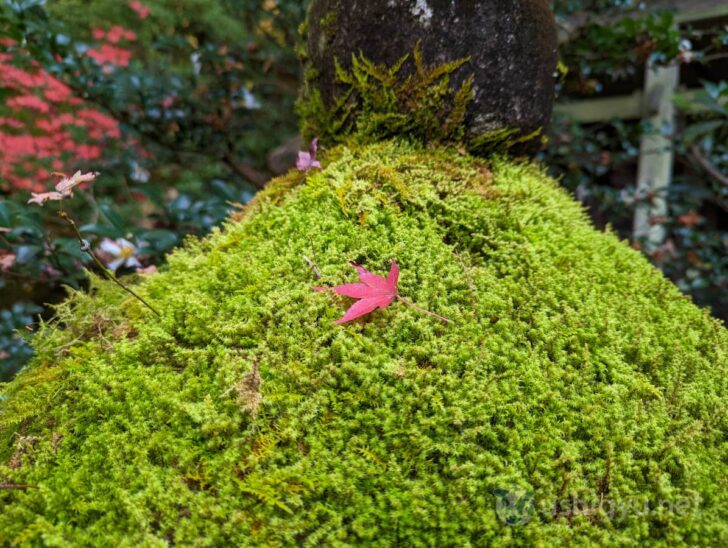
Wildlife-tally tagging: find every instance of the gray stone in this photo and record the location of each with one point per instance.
(512, 45)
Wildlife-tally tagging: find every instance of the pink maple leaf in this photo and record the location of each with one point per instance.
(373, 292)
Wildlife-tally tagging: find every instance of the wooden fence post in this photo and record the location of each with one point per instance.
(656, 155)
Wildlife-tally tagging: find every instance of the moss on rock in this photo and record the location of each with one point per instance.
(243, 416)
(506, 53)
(378, 102)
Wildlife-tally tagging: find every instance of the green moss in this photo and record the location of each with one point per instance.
(328, 22)
(300, 47)
(378, 102)
(500, 140)
(245, 417)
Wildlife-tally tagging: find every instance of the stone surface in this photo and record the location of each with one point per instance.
(512, 45)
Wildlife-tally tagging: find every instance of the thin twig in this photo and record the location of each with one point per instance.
(469, 279)
(246, 171)
(723, 204)
(18, 486)
(710, 168)
(316, 271)
(110, 275)
(713, 57)
(423, 310)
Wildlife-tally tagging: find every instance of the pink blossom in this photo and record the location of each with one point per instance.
(42, 197)
(64, 188)
(307, 160)
(67, 184)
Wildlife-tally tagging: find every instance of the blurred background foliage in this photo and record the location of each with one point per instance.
(185, 107)
(606, 47)
(194, 98)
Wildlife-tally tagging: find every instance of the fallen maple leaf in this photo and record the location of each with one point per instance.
(373, 292)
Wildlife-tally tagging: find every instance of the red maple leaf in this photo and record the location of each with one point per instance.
(373, 292)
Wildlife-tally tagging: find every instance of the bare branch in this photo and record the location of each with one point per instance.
(709, 167)
(17, 486)
(316, 271)
(246, 171)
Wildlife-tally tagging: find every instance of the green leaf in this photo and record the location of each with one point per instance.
(105, 231)
(113, 217)
(696, 131)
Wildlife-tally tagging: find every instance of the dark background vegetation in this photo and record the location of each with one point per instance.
(198, 106)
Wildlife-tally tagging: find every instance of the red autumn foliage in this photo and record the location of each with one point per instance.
(108, 53)
(141, 10)
(39, 121)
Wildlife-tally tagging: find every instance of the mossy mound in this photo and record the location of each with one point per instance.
(243, 416)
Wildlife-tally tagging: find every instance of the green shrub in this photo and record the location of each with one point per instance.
(243, 416)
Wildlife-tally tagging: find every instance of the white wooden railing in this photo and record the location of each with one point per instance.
(655, 105)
